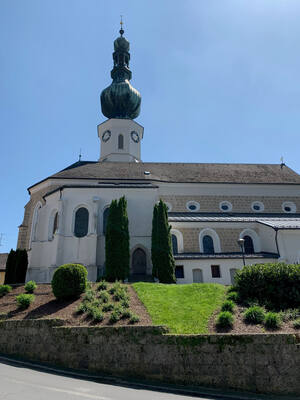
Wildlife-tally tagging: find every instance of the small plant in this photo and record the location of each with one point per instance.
(228, 305)
(233, 296)
(4, 289)
(127, 314)
(231, 289)
(30, 287)
(290, 314)
(24, 300)
(125, 303)
(224, 320)
(114, 317)
(104, 296)
(89, 296)
(108, 307)
(81, 309)
(254, 315)
(96, 314)
(134, 319)
(272, 320)
(120, 294)
(296, 323)
(102, 285)
(116, 286)
(69, 281)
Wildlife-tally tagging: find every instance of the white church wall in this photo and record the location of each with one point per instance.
(205, 266)
(289, 245)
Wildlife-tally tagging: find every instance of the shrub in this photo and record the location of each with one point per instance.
(30, 287)
(115, 287)
(224, 320)
(276, 285)
(233, 296)
(4, 289)
(69, 281)
(296, 323)
(120, 295)
(272, 320)
(231, 289)
(127, 314)
(104, 296)
(254, 315)
(102, 285)
(95, 313)
(24, 300)
(228, 305)
(108, 307)
(125, 303)
(290, 314)
(134, 319)
(114, 317)
(82, 308)
(89, 296)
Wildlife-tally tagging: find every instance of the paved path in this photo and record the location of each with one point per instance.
(20, 382)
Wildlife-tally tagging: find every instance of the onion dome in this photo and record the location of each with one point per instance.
(120, 99)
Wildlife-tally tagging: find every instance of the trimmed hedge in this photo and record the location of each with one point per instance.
(273, 285)
(69, 281)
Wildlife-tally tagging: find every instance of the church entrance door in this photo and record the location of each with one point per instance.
(139, 262)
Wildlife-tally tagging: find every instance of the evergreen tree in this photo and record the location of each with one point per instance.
(117, 241)
(10, 271)
(162, 254)
(21, 265)
(154, 242)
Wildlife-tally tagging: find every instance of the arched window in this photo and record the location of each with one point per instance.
(248, 245)
(121, 142)
(81, 222)
(174, 244)
(55, 223)
(208, 245)
(105, 216)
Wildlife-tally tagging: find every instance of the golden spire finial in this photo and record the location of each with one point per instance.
(121, 23)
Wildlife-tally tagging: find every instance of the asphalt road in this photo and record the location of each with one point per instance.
(23, 383)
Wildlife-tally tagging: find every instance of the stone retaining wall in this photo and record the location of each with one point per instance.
(259, 363)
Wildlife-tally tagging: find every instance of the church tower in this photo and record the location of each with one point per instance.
(120, 135)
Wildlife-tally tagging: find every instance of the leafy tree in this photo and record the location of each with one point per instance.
(161, 249)
(10, 272)
(117, 241)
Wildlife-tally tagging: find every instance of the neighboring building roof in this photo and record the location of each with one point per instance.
(198, 256)
(181, 172)
(273, 220)
(3, 258)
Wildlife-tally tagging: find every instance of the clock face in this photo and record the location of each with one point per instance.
(106, 136)
(135, 136)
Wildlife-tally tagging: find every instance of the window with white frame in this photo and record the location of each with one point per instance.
(225, 206)
(192, 206)
(289, 207)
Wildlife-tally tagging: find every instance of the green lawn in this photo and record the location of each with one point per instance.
(183, 308)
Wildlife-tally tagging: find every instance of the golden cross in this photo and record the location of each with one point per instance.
(121, 23)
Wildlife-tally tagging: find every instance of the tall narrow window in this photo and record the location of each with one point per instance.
(105, 216)
(55, 224)
(81, 222)
(248, 245)
(174, 244)
(121, 142)
(208, 245)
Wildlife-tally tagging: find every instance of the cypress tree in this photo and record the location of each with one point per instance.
(162, 254)
(117, 241)
(154, 242)
(21, 265)
(10, 271)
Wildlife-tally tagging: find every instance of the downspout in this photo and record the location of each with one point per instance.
(276, 241)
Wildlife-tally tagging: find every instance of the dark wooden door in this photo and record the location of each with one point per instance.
(139, 263)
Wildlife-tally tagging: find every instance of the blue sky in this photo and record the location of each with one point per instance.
(219, 81)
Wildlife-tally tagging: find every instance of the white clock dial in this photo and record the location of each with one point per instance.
(106, 136)
(135, 136)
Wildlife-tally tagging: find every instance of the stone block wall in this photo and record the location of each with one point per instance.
(259, 363)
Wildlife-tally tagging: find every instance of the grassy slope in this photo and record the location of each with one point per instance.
(183, 308)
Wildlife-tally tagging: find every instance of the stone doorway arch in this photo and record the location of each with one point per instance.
(139, 262)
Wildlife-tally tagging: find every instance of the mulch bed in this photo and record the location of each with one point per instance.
(240, 327)
(46, 306)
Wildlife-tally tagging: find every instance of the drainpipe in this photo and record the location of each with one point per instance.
(276, 241)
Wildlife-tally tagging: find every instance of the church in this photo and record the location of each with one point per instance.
(223, 216)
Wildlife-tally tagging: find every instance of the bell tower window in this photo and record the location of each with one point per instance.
(120, 142)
